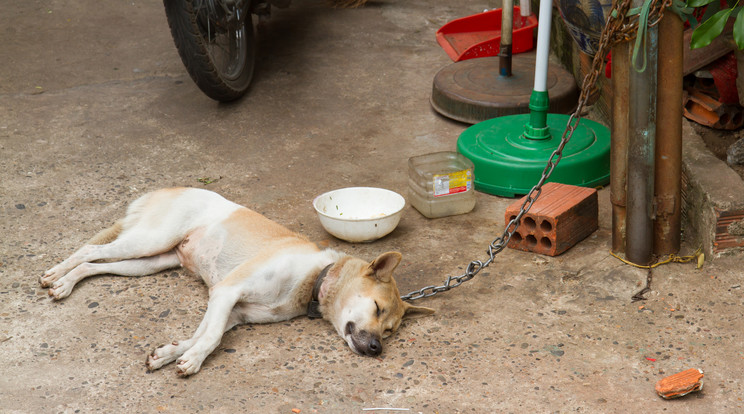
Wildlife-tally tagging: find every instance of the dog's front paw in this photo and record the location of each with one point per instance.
(163, 355)
(188, 364)
(154, 362)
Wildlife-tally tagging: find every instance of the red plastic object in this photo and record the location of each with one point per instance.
(479, 35)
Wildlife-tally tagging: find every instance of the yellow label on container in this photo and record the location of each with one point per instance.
(452, 183)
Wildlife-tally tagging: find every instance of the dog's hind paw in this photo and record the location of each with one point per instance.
(48, 278)
(60, 290)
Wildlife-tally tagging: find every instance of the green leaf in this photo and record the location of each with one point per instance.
(739, 30)
(710, 29)
(698, 3)
(684, 12)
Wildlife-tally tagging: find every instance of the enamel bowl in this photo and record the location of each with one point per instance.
(359, 214)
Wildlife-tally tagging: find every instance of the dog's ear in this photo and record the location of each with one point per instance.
(415, 311)
(382, 267)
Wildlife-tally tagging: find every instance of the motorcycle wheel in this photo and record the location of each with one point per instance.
(216, 42)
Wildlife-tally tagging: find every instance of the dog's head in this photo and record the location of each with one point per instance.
(362, 302)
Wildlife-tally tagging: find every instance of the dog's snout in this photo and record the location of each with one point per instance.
(374, 348)
(363, 342)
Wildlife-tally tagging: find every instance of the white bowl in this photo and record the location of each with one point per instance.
(359, 214)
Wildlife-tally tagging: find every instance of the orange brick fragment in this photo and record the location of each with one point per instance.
(680, 384)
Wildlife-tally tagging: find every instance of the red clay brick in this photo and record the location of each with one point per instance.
(725, 238)
(562, 216)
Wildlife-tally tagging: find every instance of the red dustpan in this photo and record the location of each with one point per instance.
(479, 35)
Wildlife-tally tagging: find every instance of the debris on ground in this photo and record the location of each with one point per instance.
(680, 384)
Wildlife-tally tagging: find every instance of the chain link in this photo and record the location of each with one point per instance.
(618, 28)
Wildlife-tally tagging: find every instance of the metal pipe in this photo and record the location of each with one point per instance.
(619, 142)
(542, 52)
(525, 8)
(667, 228)
(641, 146)
(537, 127)
(505, 50)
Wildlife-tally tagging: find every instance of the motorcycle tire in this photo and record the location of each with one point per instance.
(219, 53)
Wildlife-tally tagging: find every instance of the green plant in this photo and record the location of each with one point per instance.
(713, 26)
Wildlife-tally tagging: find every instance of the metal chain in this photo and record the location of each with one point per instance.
(639, 295)
(618, 28)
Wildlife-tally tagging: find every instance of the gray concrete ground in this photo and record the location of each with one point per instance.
(96, 109)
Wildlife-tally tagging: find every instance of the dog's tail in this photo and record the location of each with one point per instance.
(108, 235)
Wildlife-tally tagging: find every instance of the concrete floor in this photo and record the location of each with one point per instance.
(96, 109)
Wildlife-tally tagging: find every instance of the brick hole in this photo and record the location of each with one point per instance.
(736, 120)
(516, 238)
(531, 240)
(545, 243)
(511, 219)
(724, 119)
(529, 224)
(706, 82)
(546, 226)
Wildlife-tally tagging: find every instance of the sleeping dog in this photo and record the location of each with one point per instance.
(257, 271)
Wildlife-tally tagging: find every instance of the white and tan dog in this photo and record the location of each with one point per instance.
(257, 272)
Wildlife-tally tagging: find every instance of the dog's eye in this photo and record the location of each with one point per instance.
(387, 333)
(379, 311)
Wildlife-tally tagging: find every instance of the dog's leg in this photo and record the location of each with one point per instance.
(134, 243)
(105, 236)
(165, 354)
(62, 287)
(222, 300)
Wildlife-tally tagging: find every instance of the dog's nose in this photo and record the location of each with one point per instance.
(374, 347)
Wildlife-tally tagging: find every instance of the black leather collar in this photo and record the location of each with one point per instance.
(313, 308)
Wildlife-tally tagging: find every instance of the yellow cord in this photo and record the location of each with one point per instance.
(699, 255)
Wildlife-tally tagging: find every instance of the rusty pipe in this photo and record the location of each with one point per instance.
(619, 142)
(641, 148)
(667, 227)
(505, 49)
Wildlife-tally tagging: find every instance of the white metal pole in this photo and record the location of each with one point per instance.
(543, 45)
(525, 8)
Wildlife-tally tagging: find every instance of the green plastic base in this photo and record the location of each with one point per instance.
(508, 164)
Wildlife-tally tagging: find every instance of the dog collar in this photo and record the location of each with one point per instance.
(313, 308)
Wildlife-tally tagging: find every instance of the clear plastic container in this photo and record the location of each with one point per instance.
(441, 184)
